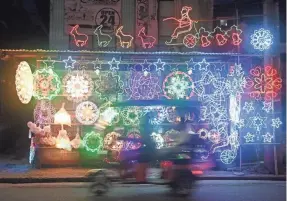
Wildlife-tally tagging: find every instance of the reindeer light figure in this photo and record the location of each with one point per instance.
(103, 39)
(147, 41)
(80, 39)
(125, 40)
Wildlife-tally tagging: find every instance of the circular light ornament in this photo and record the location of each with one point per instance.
(78, 86)
(47, 84)
(93, 142)
(261, 39)
(87, 113)
(112, 143)
(178, 85)
(24, 82)
(203, 133)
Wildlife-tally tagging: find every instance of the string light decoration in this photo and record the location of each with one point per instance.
(257, 122)
(234, 33)
(130, 145)
(24, 82)
(32, 152)
(78, 86)
(159, 117)
(276, 122)
(44, 113)
(63, 141)
(240, 123)
(185, 24)
(47, 84)
(143, 87)
(220, 36)
(178, 85)
(203, 133)
(76, 142)
(267, 138)
(109, 114)
(170, 137)
(146, 41)
(158, 139)
(190, 40)
(69, 63)
(80, 39)
(171, 114)
(93, 142)
(87, 113)
(204, 37)
(49, 63)
(248, 107)
(261, 39)
(249, 137)
(263, 83)
(109, 86)
(235, 80)
(159, 65)
(214, 136)
(103, 39)
(125, 40)
(227, 156)
(202, 66)
(131, 116)
(112, 143)
(97, 65)
(267, 106)
(114, 64)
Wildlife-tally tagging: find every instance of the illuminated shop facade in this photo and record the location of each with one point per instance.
(176, 67)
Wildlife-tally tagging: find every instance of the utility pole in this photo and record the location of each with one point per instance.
(271, 21)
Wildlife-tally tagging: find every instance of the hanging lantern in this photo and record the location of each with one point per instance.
(63, 141)
(62, 117)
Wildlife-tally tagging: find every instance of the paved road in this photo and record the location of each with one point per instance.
(205, 191)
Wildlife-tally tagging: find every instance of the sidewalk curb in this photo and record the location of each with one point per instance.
(86, 179)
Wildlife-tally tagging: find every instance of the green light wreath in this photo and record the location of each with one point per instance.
(93, 142)
(47, 84)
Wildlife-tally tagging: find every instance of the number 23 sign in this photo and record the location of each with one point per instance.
(109, 18)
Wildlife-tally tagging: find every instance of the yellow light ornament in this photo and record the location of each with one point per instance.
(24, 82)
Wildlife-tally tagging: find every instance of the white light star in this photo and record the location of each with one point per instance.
(267, 138)
(248, 107)
(114, 64)
(249, 137)
(267, 106)
(276, 123)
(159, 65)
(257, 122)
(69, 63)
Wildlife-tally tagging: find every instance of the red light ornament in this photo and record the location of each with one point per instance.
(263, 83)
(146, 41)
(80, 39)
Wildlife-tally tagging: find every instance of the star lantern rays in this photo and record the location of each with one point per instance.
(46, 84)
(87, 113)
(178, 85)
(78, 86)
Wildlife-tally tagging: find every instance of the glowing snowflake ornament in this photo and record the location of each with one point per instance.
(276, 123)
(178, 85)
(78, 86)
(87, 113)
(24, 82)
(111, 142)
(261, 39)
